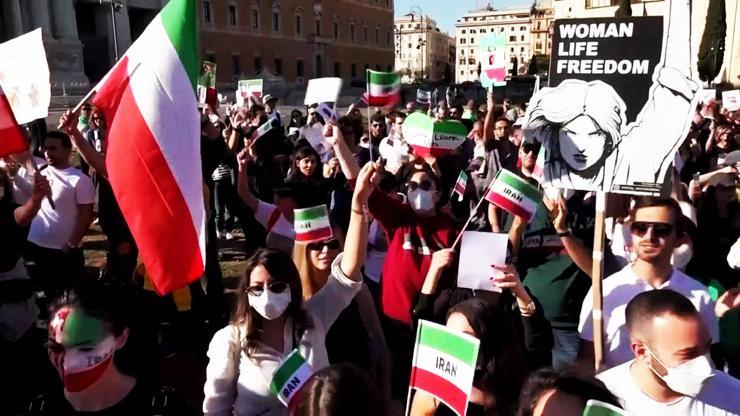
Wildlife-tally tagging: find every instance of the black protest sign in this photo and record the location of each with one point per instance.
(622, 52)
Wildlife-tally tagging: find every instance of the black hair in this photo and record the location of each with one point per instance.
(342, 389)
(61, 136)
(647, 305)
(301, 153)
(585, 388)
(378, 118)
(508, 122)
(670, 203)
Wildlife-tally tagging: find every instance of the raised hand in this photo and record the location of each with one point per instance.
(242, 159)
(729, 300)
(442, 259)
(68, 121)
(365, 185)
(41, 188)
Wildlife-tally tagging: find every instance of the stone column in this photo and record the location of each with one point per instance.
(63, 19)
(13, 20)
(40, 15)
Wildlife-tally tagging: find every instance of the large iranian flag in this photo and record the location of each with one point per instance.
(444, 364)
(12, 139)
(153, 153)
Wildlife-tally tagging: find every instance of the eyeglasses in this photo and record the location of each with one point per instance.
(660, 229)
(376, 125)
(424, 185)
(275, 287)
(332, 244)
(530, 147)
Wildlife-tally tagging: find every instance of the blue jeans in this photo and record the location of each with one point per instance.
(565, 350)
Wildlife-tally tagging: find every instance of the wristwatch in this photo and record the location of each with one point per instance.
(529, 309)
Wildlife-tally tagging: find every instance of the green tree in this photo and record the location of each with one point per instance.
(712, 47)
(624, 9)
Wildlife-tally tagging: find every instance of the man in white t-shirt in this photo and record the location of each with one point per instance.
(671, 373)
(656, 231)
(56, 233)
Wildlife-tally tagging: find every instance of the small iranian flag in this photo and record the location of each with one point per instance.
(249, 88)
(514, 194)
(460, 185)
(263, 129)
(383, 88)
(444, 364)
(312, 224)
(599, 408)
(292, 374)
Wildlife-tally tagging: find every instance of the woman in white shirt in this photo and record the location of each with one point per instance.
(272, 319)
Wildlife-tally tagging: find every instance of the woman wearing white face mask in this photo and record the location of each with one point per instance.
(271, 320)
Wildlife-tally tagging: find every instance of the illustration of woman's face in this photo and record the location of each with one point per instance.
(581, 142)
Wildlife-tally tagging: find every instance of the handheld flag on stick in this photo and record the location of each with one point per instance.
(312, 224)
(327, 113)
(290, 376)
(262, 130)
(444, 364)
(207, 84)
(12, 139)
(599, 408)
(383, 88)
(248, 88)
(460, 185)
(514, 194)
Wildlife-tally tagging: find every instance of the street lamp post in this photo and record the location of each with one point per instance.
(422, 41)
(115, 6)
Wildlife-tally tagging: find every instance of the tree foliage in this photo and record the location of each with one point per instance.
(712, 47)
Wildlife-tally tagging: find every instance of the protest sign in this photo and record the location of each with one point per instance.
(731, 100)
(617, 108)
(492, 58)
(248, 88)
(312, 224)
(322, 90)
(207, 84)
(292, 373)
(514, 194)
(444, 364)
(478, 251)
(429, 138)
(315, 137)
(24, 76)
(327, 113)
(707, 95)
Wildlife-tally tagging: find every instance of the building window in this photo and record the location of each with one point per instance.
(388, 38)
(337, 70)
(235, 65)
(298, 25)
(472, 51)
(207, 11)
(512, 38)
(463, 31)
(352, 32)
(462, 41)
(483, 31)
(472, 41)
(276, 22)
(279, 66)
(365, 31)
(299, 68)
(377, 36)
(472, 31)
(257, 64)
(353, 70)
(522, 38)
(232, 15)
(336, 30)
(319, 67)
(523, 28)
(255, 19)
(318, 26)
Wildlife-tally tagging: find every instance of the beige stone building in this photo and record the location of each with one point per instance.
(422, 49)
(296, 40)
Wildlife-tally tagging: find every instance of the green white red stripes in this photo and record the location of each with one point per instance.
(12, 139)
(383, 88)
(290, 376)
(460, 185)
(514, 194)
(444, 364)
(312, 224)
(153, 155)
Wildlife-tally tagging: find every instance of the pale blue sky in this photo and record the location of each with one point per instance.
(446, 12)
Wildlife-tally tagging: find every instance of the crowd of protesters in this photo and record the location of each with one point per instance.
(79, 343)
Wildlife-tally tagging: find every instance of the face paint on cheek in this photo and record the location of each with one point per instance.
(84, 366)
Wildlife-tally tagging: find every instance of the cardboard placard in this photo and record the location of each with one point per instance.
(478, 251)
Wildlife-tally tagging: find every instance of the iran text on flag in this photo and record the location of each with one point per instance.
(290, 376)
(153, 155)
(312, 224)
(12, 139)
(444, 364)
(460, 185)
(383, 88)
(514, 194)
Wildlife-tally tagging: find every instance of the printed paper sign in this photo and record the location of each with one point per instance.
(323, 90)
(24, 76)
(248, 88)
(493, 60)
(478, 251)
(430, 138)
(731, 100)
(619, 103)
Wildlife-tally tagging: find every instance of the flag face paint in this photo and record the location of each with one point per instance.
(81, 348)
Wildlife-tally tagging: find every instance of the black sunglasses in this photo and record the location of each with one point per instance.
(531, 147)
(274, 287)
(332, 244)
(424, 185)
(660, 229)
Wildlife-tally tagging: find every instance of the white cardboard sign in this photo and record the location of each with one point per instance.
(478, 251)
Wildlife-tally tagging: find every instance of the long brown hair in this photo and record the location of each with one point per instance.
(281, 268)
(310, 279)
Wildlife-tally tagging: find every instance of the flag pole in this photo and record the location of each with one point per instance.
(367, 88)
(93, 91)
(31, 161)
(597, 272)
(470, 218)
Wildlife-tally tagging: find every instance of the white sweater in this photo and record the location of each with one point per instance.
(244, 391)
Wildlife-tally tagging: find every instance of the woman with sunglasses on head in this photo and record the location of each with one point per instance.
(272, 319)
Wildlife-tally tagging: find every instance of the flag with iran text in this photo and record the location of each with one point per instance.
(599, 408)
(290, 376)
(153, 155)
(12, 139)
(460, 185)
(514, 194)
(383, 88)
(444, 364)
(312, 224)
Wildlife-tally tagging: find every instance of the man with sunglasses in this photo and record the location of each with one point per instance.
(656, 231)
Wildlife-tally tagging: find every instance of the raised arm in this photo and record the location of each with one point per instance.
(578, 252)
(355, 244)
(68, 124)
(489, 121)
(243, 181)
(25, 213)
(347, 161)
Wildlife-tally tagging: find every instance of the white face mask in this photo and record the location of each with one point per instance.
(269, 304)
(687, 378)
(421, 201)
(682, 256)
